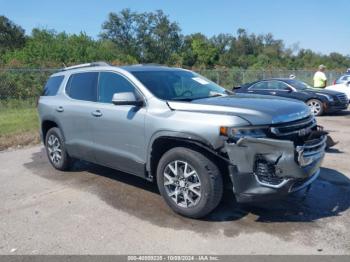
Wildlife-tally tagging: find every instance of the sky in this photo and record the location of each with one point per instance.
(323, 25)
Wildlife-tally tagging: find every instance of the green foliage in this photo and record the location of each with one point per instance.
(11, 35)
(46, 48)
(17, 116)
(129, 37)
(147, 37)
(22, 84)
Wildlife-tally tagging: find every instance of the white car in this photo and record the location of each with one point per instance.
(344, 88)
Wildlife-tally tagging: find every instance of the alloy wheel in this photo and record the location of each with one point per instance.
(182, 183)
(55, 150)
(315, 107)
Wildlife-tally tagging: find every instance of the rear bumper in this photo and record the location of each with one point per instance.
(267, 169)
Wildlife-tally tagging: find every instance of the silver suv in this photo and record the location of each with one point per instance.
(181, 130)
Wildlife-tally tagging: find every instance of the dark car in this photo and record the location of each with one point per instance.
(319, 100)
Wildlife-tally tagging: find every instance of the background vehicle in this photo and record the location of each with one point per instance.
(176, 127)
(343, 79)
(319, 100)
(343, 88)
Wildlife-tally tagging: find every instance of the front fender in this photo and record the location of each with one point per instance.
(185, 136)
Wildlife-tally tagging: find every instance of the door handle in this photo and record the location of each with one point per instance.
(97, 113)
(272, 93)
(60, 109)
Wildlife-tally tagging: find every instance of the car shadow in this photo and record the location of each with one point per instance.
(340, 113)
(334, 151)
(328, 196)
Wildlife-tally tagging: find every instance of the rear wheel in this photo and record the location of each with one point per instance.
(315, 106)
(190, 183)
(56, 150)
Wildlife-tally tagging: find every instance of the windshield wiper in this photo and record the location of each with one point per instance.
(201, 97)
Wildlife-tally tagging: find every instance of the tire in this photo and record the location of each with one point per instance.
(56, 150)
(316, 107)
(199, 193)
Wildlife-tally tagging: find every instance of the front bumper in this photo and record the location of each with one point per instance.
(264, 169)
(336, 106)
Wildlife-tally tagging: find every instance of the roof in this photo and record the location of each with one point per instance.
(148, 67)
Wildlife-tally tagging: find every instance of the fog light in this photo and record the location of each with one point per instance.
(265, 173)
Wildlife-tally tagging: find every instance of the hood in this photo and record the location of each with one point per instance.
(256, 109)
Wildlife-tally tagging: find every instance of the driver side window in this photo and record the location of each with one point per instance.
(110, 83)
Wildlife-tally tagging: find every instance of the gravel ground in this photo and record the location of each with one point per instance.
(95, 210)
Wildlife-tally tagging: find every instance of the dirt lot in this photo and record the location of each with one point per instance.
(94, 210)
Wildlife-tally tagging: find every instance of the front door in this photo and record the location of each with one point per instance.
(119, 130)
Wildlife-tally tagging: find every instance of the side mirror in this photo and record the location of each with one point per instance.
(126, 98)
(348, 83)
(235, 87)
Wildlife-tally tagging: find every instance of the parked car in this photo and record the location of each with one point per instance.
(343, 88)
(343, 79)
(181, 130)
(319, 100)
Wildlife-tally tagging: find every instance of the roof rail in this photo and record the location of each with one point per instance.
(148, 64)
(85, 65)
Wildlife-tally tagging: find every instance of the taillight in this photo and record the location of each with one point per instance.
(334, 82)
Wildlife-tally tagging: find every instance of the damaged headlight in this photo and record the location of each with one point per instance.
(239, 132)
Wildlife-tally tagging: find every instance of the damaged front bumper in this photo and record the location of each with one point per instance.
(263, 168)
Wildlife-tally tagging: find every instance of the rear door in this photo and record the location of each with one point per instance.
(75, 114)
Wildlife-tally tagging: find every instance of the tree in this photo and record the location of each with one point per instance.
(159, 38)
(11, 35)
(122, 29)
(149, 37)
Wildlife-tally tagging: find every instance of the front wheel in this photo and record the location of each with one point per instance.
(315, 106)
(190, 183)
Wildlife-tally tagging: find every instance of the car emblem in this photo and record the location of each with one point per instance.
(304, 131)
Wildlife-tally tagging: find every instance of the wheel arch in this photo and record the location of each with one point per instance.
(46, 125)
(165, 141)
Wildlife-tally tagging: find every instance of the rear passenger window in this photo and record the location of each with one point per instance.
(83, 86)
(52, 85)
(260, 86)
(111, 83)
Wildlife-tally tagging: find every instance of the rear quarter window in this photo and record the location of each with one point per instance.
(52, 85)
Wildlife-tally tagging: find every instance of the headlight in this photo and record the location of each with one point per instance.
(239, 132)
(329, 98)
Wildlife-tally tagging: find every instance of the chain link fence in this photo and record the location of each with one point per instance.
(25, 85)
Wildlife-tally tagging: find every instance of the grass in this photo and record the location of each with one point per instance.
(19, 124)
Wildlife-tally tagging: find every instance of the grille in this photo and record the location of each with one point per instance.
(300, 127)
(343, 98)
(311, 150)
(265, 172)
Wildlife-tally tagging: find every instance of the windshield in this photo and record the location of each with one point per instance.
(298, 84)
(179, 85)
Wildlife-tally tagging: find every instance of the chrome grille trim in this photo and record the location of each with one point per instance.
(298, 127)
(310, 152)
(342, 98)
